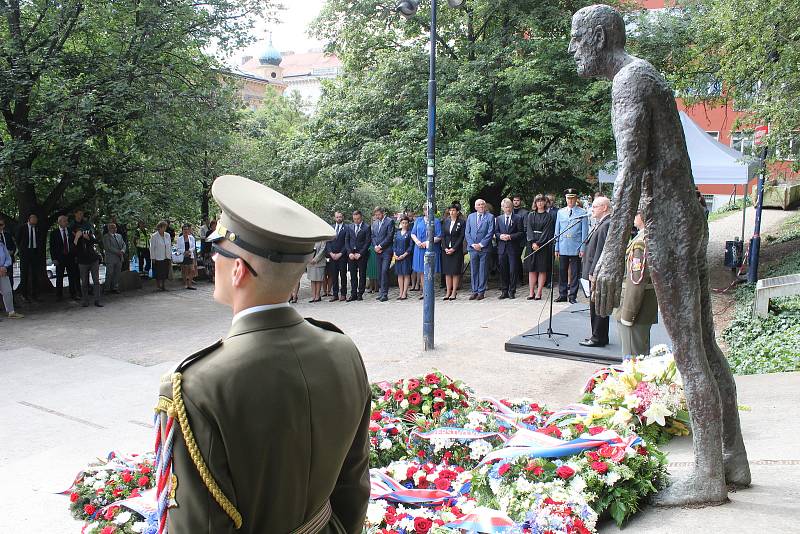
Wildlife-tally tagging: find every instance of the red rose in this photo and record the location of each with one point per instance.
(442, 483)
(641, 450)
(551, 430)
(422, 525)
(399, 396)
(535, 407)
(415, 398)
(127, 476)
(89, 509)
(423, 482)
(390, 519)
(411, 470)
(535, 469)
(143, 481)
(108, 530)
(116, 492)
(593, 456)
(565, 472)
(145, 469)
(134, 493)
(594, 430)
(606, 451)
(503, 469)
(448, 474)
(421, 454)
(600, 467)
(580, 428)
(73, 497)
(501, 429)
(456, 511)
(393, 431)
(376, 416)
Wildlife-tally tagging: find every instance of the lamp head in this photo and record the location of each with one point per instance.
(408, 8)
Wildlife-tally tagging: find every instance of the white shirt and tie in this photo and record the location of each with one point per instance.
(32, 236)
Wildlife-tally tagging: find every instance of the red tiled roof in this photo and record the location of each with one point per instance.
(298, 64)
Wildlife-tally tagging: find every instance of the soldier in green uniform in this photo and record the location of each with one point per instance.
(266, 430)
(638, 309)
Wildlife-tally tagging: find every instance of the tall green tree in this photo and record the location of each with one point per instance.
(513, 116)
(99, 97)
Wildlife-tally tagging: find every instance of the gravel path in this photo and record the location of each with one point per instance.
(729, 227)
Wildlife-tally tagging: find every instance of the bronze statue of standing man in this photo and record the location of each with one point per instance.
(654, 172)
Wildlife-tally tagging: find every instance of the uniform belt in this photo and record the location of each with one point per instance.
(317, 521)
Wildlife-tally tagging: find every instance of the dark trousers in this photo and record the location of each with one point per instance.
(337, 270)
(384, 261)
(73, 277)
(144, 260)
(27, 273)
(568, 266)
(599, 326)
(85, 270)
(358, 275)
(508, 271)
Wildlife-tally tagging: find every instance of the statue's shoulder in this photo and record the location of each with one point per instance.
(636, 75)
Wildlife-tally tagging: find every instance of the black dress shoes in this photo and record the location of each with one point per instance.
(474, 296)
(480, 296)
(512, 295)
(592, 343)
(561, 299)
(351, 299)
(334, 299)
(503, 295)
(573, 301)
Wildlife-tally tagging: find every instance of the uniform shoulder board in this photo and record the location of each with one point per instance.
(197, 355)
(324, 325)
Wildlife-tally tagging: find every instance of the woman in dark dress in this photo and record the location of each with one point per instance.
(539, 228)
(453, 228)
(403, 252)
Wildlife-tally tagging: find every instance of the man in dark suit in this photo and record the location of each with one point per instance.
(31, 245)
(382, 235)
(62, 252)
(508, 232)
(337, 266)
(601, 211)
(357, 241)
(7, 238)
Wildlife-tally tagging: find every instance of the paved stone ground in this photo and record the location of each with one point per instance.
(78, 383)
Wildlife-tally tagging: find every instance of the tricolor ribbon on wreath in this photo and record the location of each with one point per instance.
(509, 416)
(165, 438)
(382, 486)
(483, 519)
(452, 432)
(538, 445)
(576, 410)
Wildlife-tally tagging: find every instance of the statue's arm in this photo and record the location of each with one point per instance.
(631, 121)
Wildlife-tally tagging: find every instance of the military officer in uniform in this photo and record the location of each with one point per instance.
(268, 427)
(638, 310)
(573, 226)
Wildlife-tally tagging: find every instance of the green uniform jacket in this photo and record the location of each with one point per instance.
(638, 304)
(280, 412)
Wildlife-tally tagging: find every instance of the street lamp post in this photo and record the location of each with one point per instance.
(408, 9)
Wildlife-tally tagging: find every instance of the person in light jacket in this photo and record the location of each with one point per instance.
(114, 247)
(5, 283)
(186, 255)
(160, 254)
(316, 270)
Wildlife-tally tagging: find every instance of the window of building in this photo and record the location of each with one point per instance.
(743, 142)
(709, 202)
(714, 135)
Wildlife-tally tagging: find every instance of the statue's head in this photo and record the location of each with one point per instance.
(598, 34)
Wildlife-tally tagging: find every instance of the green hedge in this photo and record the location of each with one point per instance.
(770, 344)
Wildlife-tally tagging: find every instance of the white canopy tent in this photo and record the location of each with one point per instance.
(712, 162)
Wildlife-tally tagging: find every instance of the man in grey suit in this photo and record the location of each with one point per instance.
(114, 247)
(601, 213)
(382, 242)
(480, 229)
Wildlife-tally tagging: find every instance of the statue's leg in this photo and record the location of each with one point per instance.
(737, 469)
(679, 300)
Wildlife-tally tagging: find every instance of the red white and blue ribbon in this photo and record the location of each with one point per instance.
(577, 410)
(451, 432)
(163, 450)
(484, 520)
(382, 486)
(537, 445)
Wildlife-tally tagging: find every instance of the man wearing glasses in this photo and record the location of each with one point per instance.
(272, 420)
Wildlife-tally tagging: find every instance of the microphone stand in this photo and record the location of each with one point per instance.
(550, 333)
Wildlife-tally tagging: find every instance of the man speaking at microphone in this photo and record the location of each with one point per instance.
(601, 211)
(572, 226)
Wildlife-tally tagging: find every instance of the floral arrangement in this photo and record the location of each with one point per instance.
(429, 395)
(441, 458)
(100, 486)
(644, 394)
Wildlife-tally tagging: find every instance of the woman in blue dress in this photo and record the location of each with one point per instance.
(420, 236)
(403, 252)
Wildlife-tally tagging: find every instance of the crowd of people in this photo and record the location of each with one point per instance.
(77, 248)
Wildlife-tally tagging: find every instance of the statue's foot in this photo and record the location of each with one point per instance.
(692, 490)
(737, 469)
